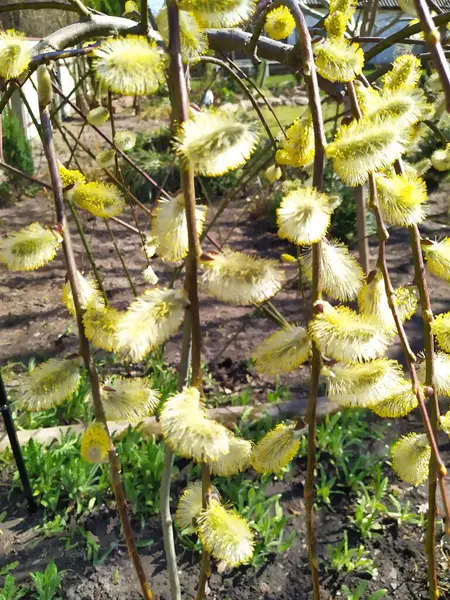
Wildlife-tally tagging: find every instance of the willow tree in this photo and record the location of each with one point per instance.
(345, 346)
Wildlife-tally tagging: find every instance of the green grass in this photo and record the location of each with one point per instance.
(280, 81)
(288, 114)
(69, 489)
(64, 483)
(45, 585)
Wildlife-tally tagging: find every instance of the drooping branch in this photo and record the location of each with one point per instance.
(399, 36)
(315, 107)
(85, 351)
(252, 84)
(247, 92)
(410, 358)
(111, 143)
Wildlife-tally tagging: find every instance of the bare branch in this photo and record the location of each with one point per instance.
(80, 7)
(399, 36)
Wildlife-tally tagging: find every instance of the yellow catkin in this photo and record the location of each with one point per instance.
(95, 444)
(411, 458)
(225, 535)
(283, 351)
(242, 279)
(344, 335)
(280, 23)
(276, 449)
(304, 216)
(214, 142)
(30, 248)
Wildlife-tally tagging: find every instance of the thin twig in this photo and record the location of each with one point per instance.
(361, 225)
(81, 8)
(233, 194)
(145, 24)
(427, 315)
(119, 174)
(260, 92)
(310, 77)
(108, 172)
(61, 105)
(48, 57)
(121, 258)
(399, 36)
(85, 349)
(24, 99)
(258, 28)
(221, 63)
(46, 186)
(166, 476)
(383, 236)
(87, 249)
(205, 568)
(111, 143)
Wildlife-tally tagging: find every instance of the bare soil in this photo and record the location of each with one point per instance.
(397, 552)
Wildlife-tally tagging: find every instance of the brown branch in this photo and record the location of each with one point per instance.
(121, 258)
(315, 107)
(180, 113)
(48, 57)
(383, 236)
(85, 348)
(111, 143)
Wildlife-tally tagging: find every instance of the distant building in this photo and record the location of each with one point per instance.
(389, 19)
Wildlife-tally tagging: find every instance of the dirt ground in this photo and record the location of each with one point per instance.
(398, 554)
(34, 323)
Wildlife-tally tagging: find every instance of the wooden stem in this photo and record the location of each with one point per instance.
(85, 351)
(312, 87)
(180, 113)
(88, 250)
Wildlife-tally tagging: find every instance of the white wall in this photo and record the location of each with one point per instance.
(19, 108)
